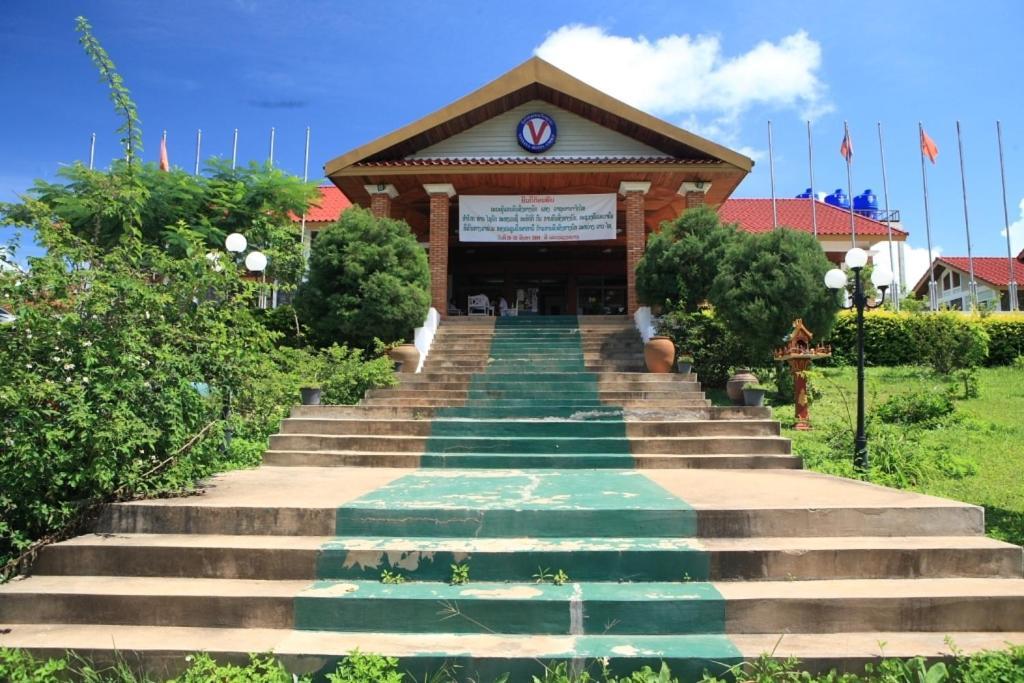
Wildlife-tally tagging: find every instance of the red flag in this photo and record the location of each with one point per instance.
(846, 149)
(165, 165)
(928, 147)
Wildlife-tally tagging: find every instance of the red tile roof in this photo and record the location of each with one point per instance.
(994, 270)
(329, 207)
(531, 161)
(755, 215)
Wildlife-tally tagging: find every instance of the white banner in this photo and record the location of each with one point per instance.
(536, 217)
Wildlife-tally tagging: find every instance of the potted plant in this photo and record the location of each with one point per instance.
(734, 387)
(312, 370)
(684, 363)
(753, 394)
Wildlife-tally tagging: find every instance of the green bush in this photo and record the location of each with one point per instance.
(368, 279)
(680, 261)
(714, 347)
(910, 338)
(766, 281)
(948, 341)
(916, 408)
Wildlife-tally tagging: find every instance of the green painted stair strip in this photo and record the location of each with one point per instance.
(517, 608)
(582, 558)
(533, 503)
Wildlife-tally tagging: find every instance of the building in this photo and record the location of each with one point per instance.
(991, 274)
(483, 182)
(537, 188)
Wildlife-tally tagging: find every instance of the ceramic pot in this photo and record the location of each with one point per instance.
(659, 353)
(753, 397)
(734, 387)
(310, 396)
(684, 367)
(407, 356)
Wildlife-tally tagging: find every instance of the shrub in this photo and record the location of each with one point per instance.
(948, 341)
(714, 347)
(916, 408)
(906, 338)
(764, 282)
(368, 278)
(680, 261)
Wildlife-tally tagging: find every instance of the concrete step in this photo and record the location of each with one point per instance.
(532, 444)
(667, 378)
(415, 410)
(528, 427)
(485, 383)
(536, 392)
(321, 458)
(488, 656)
(584, 559)
(647, 403)
(652, 608)
(738, 503)
(431, 365)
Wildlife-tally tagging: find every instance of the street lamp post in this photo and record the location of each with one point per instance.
(255, 261)
(836, 279)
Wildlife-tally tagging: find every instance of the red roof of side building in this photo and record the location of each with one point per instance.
(995, 270)
(755, 215)
(328, 208)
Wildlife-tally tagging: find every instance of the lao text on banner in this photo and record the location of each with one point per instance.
(536, 217)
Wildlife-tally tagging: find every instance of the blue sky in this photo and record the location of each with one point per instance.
(354, 71)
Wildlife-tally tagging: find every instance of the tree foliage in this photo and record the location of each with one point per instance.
(368, 278)
(681, 260)
(765, 281)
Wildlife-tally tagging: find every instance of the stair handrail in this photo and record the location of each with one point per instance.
(424, 335)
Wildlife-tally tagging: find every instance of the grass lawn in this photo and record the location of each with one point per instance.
(975, 455)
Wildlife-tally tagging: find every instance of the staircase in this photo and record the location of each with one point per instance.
(526, 446)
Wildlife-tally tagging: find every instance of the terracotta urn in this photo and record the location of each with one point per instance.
(734, 387)
(659, 354)
(407, 355)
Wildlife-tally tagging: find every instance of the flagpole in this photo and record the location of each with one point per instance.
(234, 149)
(92, 151)
(896, 288)
(771, 169)
(272, 131)
(849, 181)
(933, 295)
(199, 143)
(1012, 289)
(305, 179)
(810, 168)
(972, 286)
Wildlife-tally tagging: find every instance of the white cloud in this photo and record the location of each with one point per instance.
(689, 77)
(1016, 231)
(915, 259)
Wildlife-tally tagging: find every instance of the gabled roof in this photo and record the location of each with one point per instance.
(993, 270)
(755, 215)
(536, 79)
(328, 208)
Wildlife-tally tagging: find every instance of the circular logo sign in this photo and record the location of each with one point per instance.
(536, 132)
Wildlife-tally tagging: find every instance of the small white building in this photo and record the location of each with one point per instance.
(992, 277)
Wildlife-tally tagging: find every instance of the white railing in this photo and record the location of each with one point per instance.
(424, 336)
(645, 323)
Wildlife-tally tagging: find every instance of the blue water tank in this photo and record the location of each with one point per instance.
(838, 198)
(866, 204)
(806, 194)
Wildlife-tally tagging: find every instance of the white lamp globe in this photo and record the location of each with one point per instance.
(856, 258)
(835, 279)
(256, 261)
(214, 259)
(236, 242)
(881, 277)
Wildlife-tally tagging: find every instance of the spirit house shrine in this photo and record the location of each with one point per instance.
(538, 190)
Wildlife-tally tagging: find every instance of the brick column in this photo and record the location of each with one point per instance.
(633, 194)
(380, 199)
(694, 193)
(440, 195)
